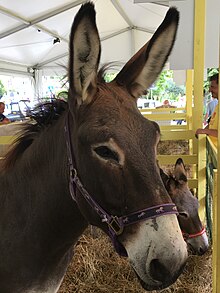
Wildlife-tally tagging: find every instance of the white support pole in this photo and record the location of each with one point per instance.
(38, 89)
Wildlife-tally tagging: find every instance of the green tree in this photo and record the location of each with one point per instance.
(110, 76)
(163, 88)
(175, 91)
(166, 88)
(162, 83)
(210, 72)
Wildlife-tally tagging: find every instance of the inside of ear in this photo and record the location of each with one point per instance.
(85, 49)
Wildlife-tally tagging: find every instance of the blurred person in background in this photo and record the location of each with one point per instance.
(166, 104)
(3, 119)
(212, 127)
(210, 109)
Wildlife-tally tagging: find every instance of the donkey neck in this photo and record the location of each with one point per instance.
(37, 210)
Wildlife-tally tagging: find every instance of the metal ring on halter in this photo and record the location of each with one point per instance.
(115, 226)
(73, 173)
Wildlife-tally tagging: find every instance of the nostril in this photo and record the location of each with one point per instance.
(202, 250)
(158, 271)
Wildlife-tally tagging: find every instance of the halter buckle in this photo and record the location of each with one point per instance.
(115, 226)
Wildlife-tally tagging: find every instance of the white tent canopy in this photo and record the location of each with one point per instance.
(34, 34)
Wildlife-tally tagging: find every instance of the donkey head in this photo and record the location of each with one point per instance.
(187, 205)
(115, 147)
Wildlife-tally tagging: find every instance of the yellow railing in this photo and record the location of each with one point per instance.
(197, 155)
(6, 140)
(173, 132)
(213, 208)
(162, 114)
(167, 117)
(8, 134)
(182, 132)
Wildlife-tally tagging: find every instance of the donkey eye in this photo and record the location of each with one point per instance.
(184, 215)
(106, 153)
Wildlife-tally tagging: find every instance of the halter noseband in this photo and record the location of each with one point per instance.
(115, 224)
(187, 236)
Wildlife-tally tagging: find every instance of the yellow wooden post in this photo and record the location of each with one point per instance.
(189, 102)
(199, 40)
(189, 95)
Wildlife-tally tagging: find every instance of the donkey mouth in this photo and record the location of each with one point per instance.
(159, 283)
(192, 250)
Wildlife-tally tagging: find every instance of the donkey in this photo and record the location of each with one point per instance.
(94, 162)
(193, 231)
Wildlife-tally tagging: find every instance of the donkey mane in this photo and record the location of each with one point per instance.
(42, 116)
(105, 68)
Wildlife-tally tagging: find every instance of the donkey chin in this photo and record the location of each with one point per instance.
(156, 251)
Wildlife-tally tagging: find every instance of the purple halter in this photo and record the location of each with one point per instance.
(115, 224)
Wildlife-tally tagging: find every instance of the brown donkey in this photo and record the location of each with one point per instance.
(93, 162)
(187, 205)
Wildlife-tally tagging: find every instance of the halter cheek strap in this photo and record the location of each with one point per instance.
(115, 223)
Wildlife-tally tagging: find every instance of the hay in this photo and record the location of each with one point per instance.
(96, 268)
(170, 147)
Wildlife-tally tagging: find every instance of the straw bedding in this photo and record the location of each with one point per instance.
(96, 268)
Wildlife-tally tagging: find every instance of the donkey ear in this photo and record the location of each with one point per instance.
(180, 171)
(84, 55)
(145, 66)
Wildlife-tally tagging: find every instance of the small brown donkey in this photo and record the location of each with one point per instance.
(188, 208)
